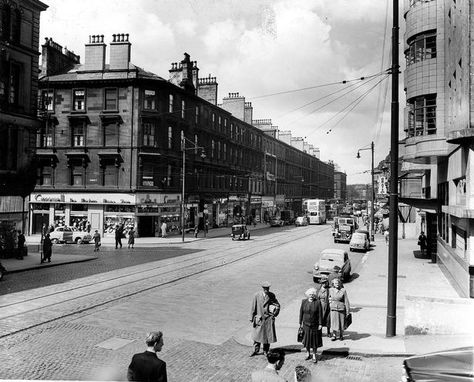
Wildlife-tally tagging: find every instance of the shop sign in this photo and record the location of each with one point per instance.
(267, 203)
(255, 199)
(158, 198)
(288, 200)
(280, 198)
(83, 198)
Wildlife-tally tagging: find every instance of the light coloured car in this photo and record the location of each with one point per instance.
(328, 260)
(68, 235)
(301, 221)
(359, 242)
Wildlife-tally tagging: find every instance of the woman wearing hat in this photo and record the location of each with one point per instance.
(340, 308)
(311, 322)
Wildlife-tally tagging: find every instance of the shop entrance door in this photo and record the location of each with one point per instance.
(146, 226)
(38, 221)
(432, 236)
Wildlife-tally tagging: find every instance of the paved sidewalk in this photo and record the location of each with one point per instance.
(418, 280)
(33, 260)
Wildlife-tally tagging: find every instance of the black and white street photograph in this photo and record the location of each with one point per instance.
(252, 190)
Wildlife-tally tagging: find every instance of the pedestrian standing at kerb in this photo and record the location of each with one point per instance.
(96, 238)
(265, 307)
(147, 366)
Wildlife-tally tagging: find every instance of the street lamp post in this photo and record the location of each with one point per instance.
(373, 191)
(184, 140)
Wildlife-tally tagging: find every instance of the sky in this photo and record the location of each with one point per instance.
(302, 49)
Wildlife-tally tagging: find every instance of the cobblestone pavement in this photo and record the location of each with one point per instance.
(82, 357)
(109, 259)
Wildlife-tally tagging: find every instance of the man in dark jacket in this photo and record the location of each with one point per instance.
(147, 366)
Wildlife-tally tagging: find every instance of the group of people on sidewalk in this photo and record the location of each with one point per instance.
(329, 307)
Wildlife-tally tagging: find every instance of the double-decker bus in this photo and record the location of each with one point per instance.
(315, 210)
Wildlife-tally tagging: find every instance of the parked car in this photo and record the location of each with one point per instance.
(68, 235)
(275, 221)
(240, 231)
(328, 260)
(301, 221)
(359, 242)
(455, 365)
(366, 233)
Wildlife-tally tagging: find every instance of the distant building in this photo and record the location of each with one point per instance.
(340, 185)
(19, 30)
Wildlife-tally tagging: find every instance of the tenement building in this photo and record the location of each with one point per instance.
(437, 152)
(121, 145)
(19, 30)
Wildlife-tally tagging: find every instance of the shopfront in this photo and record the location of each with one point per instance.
(83, 212)
(155, 209)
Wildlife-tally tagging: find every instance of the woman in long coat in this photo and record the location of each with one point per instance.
(310, 321)
(265, 307)
(323, 296)
(340, 308)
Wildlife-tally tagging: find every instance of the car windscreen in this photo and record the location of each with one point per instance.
(332, 257)
(358, 236)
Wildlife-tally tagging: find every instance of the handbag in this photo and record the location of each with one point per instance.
(347, 321)
(299, 337)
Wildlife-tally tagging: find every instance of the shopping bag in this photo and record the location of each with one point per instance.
(347, 321)
(300, 334)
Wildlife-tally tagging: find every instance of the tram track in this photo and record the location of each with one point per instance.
(86, 294)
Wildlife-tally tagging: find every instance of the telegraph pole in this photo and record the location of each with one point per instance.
(393, 201)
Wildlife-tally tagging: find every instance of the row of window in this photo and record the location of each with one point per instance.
(110, 103)
(108, 176)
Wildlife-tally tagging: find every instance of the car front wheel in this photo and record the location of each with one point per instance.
(55, 241)
(78, 240)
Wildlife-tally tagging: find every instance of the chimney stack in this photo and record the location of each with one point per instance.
(120, 52)
(95, 53)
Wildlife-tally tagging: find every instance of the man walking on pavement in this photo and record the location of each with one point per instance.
(147, 366)
(118, 236)
(21, 245)
(265, 307)
(276, 359)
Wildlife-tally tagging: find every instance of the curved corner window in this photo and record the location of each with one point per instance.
(421, 115)
(414, 2)
(421, 47)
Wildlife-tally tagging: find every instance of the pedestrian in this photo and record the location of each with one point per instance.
(97, 243)
(131, 238)
(275, 359)
(422, 242)
(206, 227)
(340, 308)
(335, 274)
(323, 296)
(163, 229)
(311, 322)
(118, 236)
(265, 307)
(385, 234)
(21, 245)
(147, 366)
(47, 249)
(196, 230)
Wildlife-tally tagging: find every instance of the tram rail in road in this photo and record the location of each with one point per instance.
(24, 310)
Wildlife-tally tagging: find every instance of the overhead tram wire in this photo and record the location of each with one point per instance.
(316, 86)
(335, 99)
(380, 110)
(357, 102)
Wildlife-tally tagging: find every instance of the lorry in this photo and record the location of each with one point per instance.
(344, 227)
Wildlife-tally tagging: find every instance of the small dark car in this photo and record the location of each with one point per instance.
(240, 231)
(454, 365)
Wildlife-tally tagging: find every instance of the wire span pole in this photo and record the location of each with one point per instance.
(393, 212)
